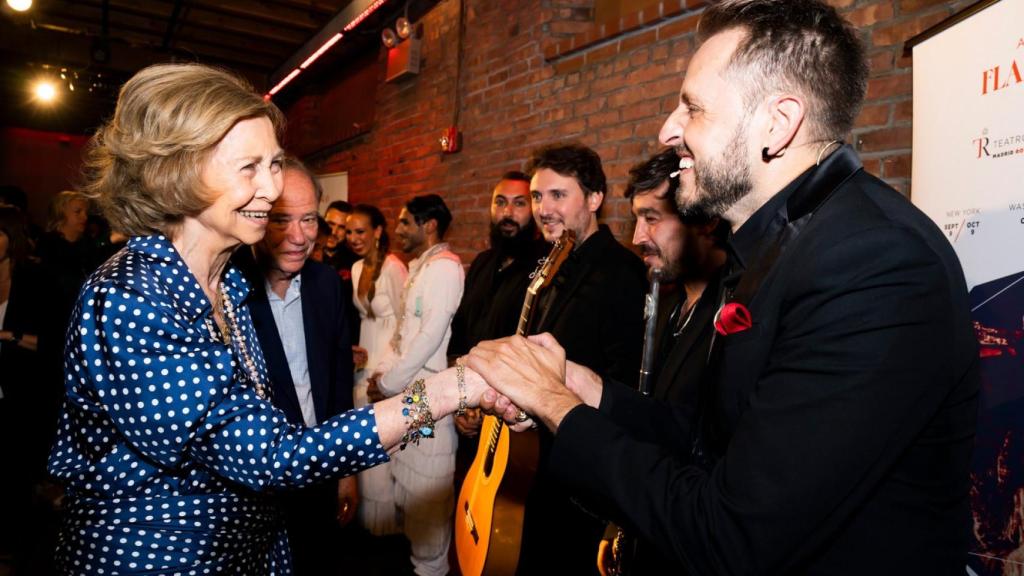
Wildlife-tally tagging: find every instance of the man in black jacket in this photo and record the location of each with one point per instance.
(594, 306)
(838, 437)
(300, 315)
(497, 280)
(689, 251)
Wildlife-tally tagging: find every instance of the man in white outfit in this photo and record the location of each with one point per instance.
(422, 475)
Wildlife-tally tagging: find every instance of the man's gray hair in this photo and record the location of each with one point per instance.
(293, 163)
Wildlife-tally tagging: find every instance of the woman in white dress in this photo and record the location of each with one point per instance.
(377, 282)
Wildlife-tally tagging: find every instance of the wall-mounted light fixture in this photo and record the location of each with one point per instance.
(403, 50)
(389, 38)
(403, 27)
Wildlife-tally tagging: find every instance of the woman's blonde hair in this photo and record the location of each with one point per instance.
(144, 165)
(57, 205)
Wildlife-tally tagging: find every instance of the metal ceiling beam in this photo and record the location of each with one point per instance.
(151, 28)
(139, 38)
(171, 24)
(291, 18)
(326, 9)
(235, 27)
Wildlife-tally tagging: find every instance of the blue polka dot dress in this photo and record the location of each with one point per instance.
(166, 451)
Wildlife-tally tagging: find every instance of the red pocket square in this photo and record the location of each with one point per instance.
(732, 318)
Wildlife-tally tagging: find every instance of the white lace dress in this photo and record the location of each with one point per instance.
(376, 509)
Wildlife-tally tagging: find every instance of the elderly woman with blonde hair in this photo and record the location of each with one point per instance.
(167, 444)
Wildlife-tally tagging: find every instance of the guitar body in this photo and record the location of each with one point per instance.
(489, 513)
(491, 506)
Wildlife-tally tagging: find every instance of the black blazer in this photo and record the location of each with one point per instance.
(595, 311)
(596, 308)
(328, 348)
(678, 375)
(493, 298)
(840, 435)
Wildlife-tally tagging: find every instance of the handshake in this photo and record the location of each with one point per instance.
(525, 381)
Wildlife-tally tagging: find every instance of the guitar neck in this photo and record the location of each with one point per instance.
(524, 321)
(524, 315)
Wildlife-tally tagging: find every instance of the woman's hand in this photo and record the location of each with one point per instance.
(348, 499)
(360, 357)
(469, 423)
(373, 392)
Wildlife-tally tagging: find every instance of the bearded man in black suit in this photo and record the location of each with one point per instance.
(837, 436)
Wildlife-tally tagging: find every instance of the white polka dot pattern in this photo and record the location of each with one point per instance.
(166, 451)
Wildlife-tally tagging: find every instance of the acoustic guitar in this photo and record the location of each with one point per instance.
(489, 511)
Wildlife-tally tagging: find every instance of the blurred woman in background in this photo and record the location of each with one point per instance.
(27, 407)
(377, 279)
(67, 257)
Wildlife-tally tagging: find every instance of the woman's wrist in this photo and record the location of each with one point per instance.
(441, 388)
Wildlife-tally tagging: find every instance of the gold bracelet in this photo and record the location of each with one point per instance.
(460, 378)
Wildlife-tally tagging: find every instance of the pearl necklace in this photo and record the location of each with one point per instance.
(234, 334)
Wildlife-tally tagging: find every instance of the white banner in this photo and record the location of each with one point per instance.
(968, 163)
(968, 176)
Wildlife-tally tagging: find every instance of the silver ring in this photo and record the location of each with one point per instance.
(522, 416)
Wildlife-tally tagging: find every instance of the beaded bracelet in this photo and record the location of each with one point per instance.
(417, 410)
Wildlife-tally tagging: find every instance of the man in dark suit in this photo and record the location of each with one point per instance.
(595, 306)
(689, 253)
(298, 310)
(689, 250)
(838, 436)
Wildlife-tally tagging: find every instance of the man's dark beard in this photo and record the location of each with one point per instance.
(516, 245)
(721, 183)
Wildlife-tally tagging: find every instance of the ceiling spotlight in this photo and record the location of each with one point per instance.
(19, 5)
(389, 38)
(403, 27)
(45, 91)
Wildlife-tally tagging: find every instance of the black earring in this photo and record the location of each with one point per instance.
(764, 154)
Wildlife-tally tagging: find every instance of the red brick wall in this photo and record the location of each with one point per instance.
(518, 92)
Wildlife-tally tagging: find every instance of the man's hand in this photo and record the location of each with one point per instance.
(373, 392)
(359, 357)
(584, 383)
(348, 499)
(469, 424)
(529, 373)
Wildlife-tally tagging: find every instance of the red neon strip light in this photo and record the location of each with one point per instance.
(365, 14)
(325, 47)
(284, 81)
(320, 52)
